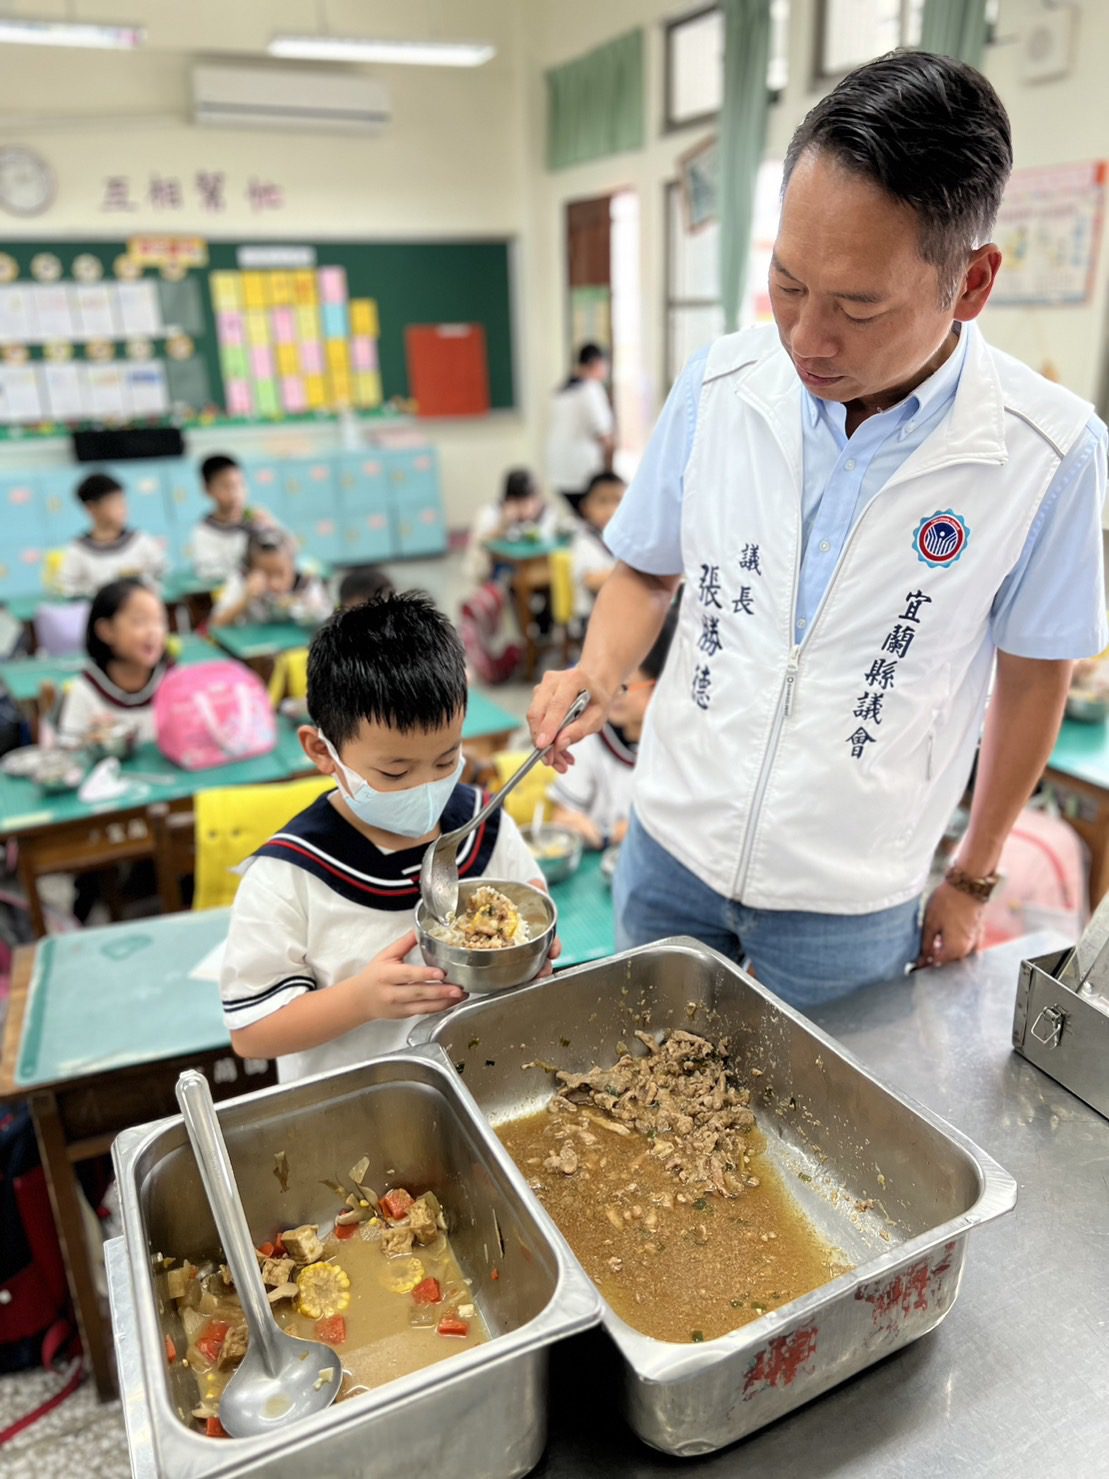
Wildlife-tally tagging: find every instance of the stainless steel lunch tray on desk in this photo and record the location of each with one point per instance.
(482, 1412)
(887, 1181)
(1061, 1020)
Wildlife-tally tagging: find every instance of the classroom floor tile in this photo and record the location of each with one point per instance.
(82, 1436)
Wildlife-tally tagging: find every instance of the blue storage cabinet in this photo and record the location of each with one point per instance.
(65, 517)
(365, 518)
(346, 508)
(24, 545)
(416, 500)
(265, 486)
(311, 506)
(147, 505)
(187, 504)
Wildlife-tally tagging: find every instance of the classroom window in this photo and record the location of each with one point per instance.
(695, 63)
(854, 31)
(694, 316)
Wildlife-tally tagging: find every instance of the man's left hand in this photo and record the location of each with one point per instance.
(952, 927)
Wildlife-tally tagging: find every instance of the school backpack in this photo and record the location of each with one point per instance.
(211, 713)
(480, 627)
(1043, 880)
(34, 1304)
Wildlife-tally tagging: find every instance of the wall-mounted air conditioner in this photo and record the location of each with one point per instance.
(291, 98)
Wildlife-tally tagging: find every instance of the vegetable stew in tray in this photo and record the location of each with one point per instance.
(382, 1286)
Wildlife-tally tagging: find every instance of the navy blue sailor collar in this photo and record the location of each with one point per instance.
(324, 844)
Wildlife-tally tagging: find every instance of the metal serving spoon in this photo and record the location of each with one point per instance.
(439, 869)
(281, 1378)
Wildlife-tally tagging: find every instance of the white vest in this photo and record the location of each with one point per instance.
(821, 777)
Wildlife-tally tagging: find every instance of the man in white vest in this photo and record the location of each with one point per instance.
(874, 514)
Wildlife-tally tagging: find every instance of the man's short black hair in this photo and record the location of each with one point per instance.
(96, 486)
(590, 353)
(933, 134)
(211, 467)
(519, 482)
(364, 583)
(653, 664)
(395, 661)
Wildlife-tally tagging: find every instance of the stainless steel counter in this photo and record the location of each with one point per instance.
(1015, 1383)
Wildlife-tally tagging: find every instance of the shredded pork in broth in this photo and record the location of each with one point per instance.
(653, 1171)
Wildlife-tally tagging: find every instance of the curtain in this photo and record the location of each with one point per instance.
(955, 28)
(595, 103)
(742, 135)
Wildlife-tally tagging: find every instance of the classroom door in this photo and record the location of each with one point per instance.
(589, 268)
(602, 256)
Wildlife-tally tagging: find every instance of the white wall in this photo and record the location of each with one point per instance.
(464, 156)
(1053, 122)
(449, 165)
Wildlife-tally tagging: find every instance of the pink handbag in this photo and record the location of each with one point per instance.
(212, 713)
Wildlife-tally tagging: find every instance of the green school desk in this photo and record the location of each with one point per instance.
(102, 1021)
(259, 645)
(100, 1024)
(1078, 774)
(63, 834)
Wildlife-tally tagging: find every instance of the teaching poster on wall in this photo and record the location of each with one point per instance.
(1049, 229)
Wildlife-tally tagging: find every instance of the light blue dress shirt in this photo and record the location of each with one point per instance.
(1050, 606)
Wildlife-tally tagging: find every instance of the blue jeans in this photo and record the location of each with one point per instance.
(807, 959)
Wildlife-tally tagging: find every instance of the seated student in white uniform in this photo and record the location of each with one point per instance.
(592, 562)
(594, 798)
(109, 551)
(126, 644)
(219, 540)
(269, 587)
(322, 968)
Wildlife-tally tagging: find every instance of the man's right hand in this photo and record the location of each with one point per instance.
(390, 988)
(550, 704)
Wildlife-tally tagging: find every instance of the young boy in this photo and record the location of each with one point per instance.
(595, 797)
(109, 551)
(268, 586)
(322, 968)
(592, 562)
(219, 540)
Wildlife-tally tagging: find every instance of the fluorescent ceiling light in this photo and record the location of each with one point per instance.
(14, 30)
(389, 53)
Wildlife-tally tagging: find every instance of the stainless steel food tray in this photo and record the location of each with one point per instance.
(482, 1412)
(1061, 1020)
(890, 1183)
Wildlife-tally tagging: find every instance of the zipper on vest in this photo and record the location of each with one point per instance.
(785, 707)
(791, 679)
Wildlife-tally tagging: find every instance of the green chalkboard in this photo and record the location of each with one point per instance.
(412, 282)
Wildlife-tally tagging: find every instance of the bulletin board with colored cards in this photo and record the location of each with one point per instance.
(182, 329)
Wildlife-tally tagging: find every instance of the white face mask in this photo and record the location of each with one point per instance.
(410, 813)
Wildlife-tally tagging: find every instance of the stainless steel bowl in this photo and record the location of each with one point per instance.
(60, 771)
(486, 971)
(557, 851)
